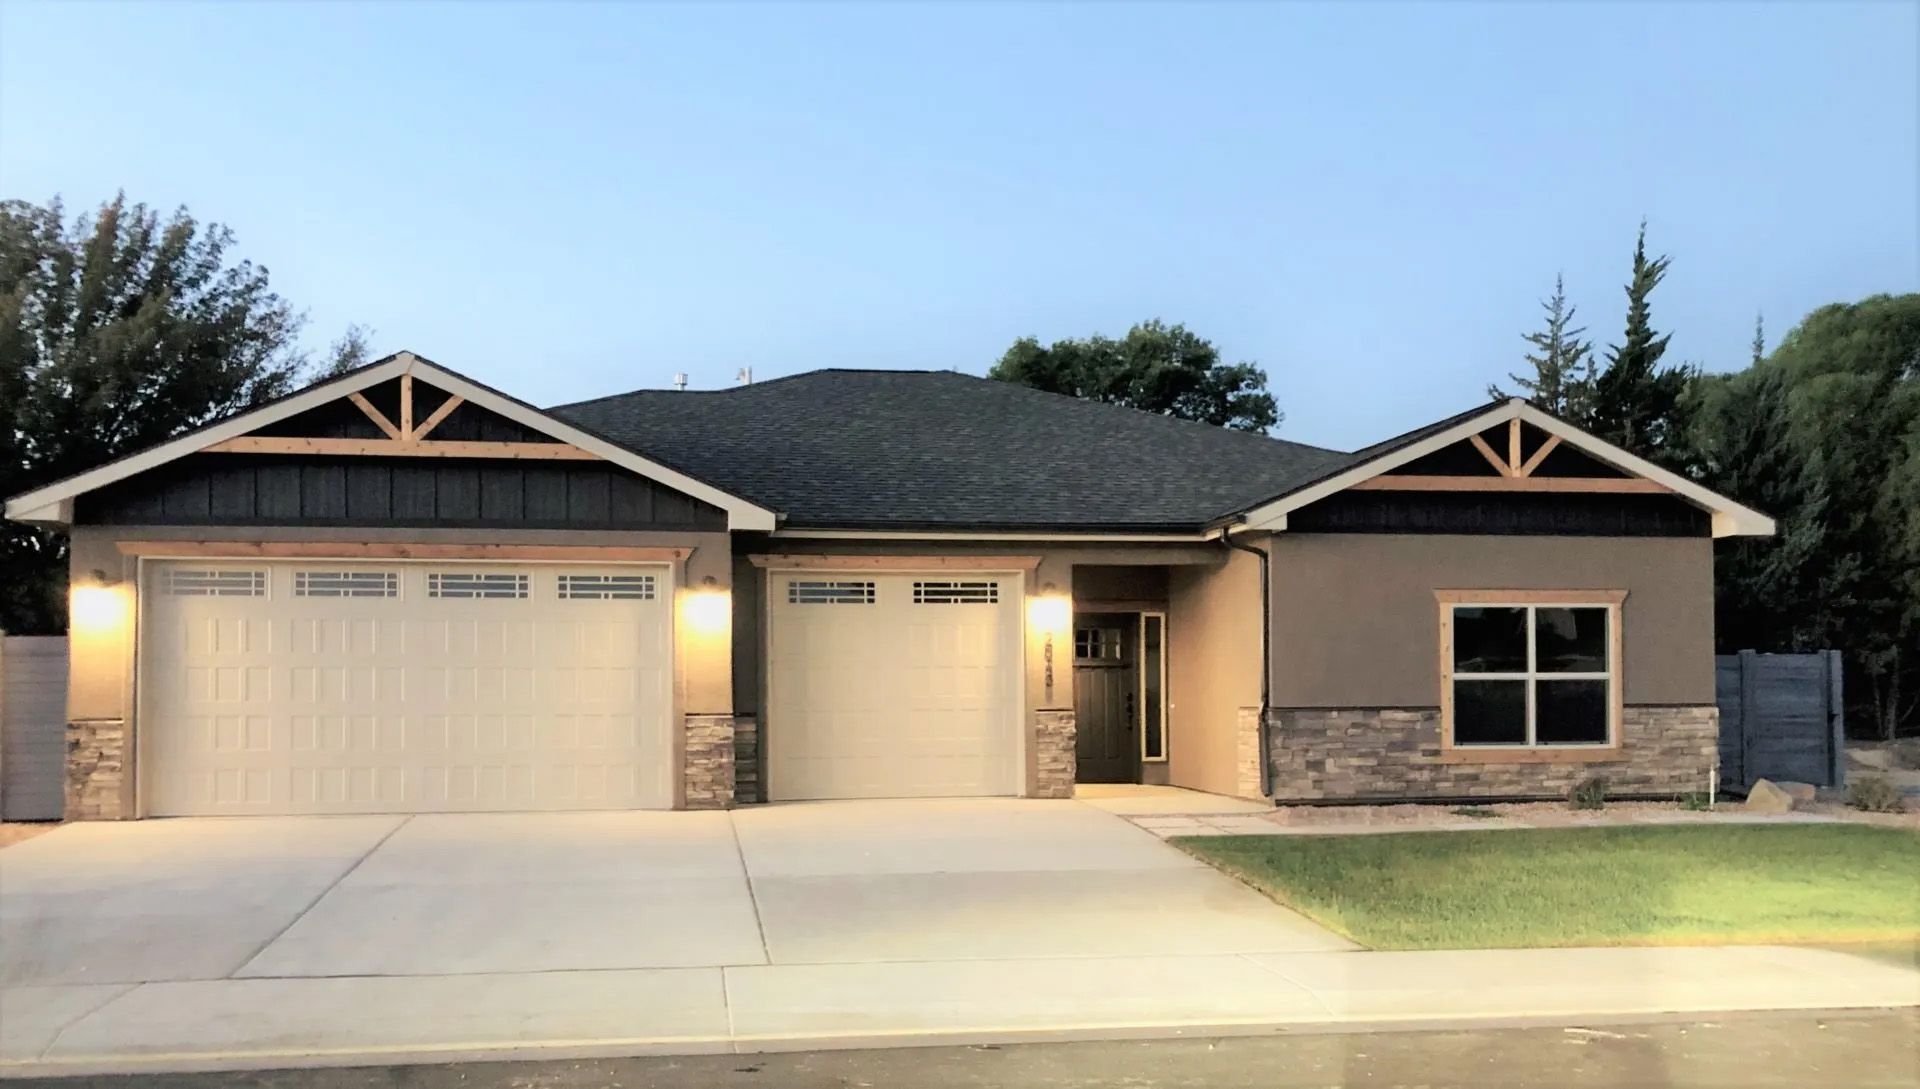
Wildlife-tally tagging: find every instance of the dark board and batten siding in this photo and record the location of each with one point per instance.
(1538, 514)
(272, 490)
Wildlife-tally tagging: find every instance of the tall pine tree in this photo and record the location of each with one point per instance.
(1637, 402)
(1563, 365)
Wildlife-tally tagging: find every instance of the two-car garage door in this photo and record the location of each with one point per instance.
(317, 687)
(893, 685)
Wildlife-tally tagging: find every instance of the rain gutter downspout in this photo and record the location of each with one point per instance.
(1266, 654)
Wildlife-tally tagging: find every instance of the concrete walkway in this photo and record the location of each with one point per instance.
(249, 943)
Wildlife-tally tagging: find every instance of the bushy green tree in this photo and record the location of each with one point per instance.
(1636, 399)
(1563, 367)
(1824, 433)
(1160, 368)
(118, 330)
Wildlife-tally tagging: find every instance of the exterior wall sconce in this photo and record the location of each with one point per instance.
(709, 609)
(95, 604)
(1050, 611)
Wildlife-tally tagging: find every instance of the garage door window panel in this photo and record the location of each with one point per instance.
(201, 582)
(346, 583)
(606, 587)
(492, 584)
(830, 593)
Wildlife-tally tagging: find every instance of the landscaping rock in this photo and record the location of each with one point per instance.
(1877, 759)
(1801, 793)
(1764, 797)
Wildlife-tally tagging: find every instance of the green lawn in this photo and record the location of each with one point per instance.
(1590, 886)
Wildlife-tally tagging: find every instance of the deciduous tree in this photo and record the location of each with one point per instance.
(118, 330)
(1166, 369)
(1824, 433)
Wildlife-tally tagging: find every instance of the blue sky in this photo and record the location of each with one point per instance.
(1369, 199)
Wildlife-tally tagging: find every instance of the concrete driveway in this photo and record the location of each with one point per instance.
(823, 883)
(211, 944)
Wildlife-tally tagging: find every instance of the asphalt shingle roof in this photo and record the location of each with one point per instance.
(879, 449)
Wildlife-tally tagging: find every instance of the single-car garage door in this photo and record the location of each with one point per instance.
(315, 687)
(893, 685)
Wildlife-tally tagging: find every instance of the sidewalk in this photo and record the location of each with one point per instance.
(281, 1022)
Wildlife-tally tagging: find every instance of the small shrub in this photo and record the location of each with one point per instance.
(1875, 794)
(1589, 793)
(1477, 812)
(1697, 802)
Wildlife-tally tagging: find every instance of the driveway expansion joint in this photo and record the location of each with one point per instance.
(753, 897)
(52, 1041)
(1318, 999)
(315, 902)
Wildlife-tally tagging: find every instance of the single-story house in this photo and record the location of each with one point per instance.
(399, 590)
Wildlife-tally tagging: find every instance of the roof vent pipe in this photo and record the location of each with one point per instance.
(680, 380)
(744, 376)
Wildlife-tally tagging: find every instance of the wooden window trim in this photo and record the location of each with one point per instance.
(1613, 600)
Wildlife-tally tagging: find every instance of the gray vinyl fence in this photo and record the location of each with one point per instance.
(1780, 718)
(33, 727)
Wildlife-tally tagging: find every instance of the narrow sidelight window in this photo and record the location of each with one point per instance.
(1153, 687)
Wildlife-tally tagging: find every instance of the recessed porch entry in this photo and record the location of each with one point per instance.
(1119, 694)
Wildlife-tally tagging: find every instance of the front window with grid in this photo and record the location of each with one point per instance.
(1530, 674)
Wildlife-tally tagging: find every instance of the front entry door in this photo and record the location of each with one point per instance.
(1106, 699)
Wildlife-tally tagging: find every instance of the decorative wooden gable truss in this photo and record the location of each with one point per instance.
(1512, 447)
(399, 407)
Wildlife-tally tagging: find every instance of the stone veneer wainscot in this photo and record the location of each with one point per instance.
(1393, 754)
(708, 761)
(97, 771)
(1055, 758)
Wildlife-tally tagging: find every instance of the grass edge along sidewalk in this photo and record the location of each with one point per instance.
(1529, 888)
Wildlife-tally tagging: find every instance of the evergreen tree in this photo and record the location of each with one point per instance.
(1563, 363)
(1637, 402)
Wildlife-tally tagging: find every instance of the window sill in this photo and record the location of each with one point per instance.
(1530, 756)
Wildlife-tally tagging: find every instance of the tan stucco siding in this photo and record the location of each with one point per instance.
(1213, 670)
(1356, 624)
(100, 646)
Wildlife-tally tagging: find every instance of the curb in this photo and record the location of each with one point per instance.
(642, 1047)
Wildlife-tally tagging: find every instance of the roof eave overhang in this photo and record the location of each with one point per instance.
(52, 505)
(1729, 519)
